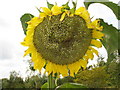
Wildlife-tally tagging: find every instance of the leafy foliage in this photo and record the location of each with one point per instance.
(35, 82)
(110, 40)
(15, 81)
(24, 19)
(114, 7)
(95, 78)
(114, 71)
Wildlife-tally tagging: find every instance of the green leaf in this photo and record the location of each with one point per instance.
(49, 5)
(114, 7)
(110, 40)
(25, 18)
(44, 86)
(71, 85)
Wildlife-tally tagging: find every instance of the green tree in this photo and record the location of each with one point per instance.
(5, 83)
(35, 81)
(15, 81)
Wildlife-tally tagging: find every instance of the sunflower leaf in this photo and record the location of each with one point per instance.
(110, 40)
(114, 7)
(49, 5)
(25, 18)
(71, 85)
(44, 86)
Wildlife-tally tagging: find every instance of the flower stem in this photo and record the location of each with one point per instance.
(51, 82)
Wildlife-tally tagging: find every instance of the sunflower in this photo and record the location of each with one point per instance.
(62, 41)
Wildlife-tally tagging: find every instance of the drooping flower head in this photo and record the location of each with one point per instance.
(62, 40)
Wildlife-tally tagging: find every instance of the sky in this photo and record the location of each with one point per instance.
(11, 33)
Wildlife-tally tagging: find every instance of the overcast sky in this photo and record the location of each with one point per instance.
(11, 33)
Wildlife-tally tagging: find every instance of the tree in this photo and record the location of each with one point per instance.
(15, 81)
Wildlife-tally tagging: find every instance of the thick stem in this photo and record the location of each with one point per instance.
(51, 82)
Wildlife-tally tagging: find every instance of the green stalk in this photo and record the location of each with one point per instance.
(51, 82)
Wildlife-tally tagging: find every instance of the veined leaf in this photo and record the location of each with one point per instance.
(25, 18)
(110, 40)
(114, 7)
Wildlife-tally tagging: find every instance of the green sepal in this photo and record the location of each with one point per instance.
(65, 7)
(110, 40)
(72, 11)
(38, 9)
(49, 5)
(74, 7)
(74, 4)
(114, 7)
(24, 19)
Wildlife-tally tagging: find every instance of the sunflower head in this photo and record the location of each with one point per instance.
(62, 40)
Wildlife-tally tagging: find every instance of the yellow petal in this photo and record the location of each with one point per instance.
(39, 64)
(74, 67)
(63, 16)
(47, 11)
(28, 40)
(42, 15)
(24, 43)
(97, 34)
(34, 55)
(28, 51)
(67, 12)
(83, 63)
(30, 27)
(82, 12)
(85, 57)
(93, 50)
(56, 10)
(49, 68)
(34, 21)
(71, 15)
(63, 70)
(90, 54)
(95, 25)
(96, 43)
